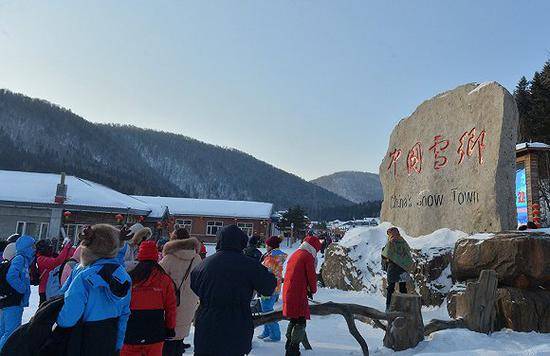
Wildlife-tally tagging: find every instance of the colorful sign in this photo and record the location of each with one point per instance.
(521, 194)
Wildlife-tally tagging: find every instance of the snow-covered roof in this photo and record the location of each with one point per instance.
(210, 207)
(40, 188)
(535, 145)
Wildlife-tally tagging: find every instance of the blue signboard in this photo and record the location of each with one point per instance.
(521, 194)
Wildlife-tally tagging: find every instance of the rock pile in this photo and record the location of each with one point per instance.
(522, 263)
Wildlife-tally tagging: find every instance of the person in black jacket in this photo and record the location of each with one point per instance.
(224, 283)
(252, 249)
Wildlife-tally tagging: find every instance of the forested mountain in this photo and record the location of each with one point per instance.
(358, 187)
(36, 135)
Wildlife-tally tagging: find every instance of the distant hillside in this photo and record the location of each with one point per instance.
(358, 187)
(39, 136)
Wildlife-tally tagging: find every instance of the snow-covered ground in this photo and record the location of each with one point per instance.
(329, 334)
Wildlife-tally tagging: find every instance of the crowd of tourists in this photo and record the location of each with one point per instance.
(121, 292)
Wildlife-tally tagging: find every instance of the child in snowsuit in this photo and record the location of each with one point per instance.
(273, 260)
(97, 300)
(153, 306)
(396, 261)
(299, 283)
(18, 278)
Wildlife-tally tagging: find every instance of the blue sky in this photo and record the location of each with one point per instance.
(310, 86)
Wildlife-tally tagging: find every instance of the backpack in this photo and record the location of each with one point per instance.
(33, 273)
(9, 297)
(54, 278)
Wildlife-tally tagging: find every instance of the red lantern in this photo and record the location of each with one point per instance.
(536, 220)
(536, 212)
(159, 225)
(141, 218)
(67, 214)
(536, 206)
(119, 217)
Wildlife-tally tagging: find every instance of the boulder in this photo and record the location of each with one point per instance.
(451, 164)
(338, 270)
(521, 259)
(523, 310)
(358, 267)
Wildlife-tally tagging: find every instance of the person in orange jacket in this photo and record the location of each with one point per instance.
(153, 306)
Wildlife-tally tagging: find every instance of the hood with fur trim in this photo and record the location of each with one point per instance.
(173, 246)
(140, 236)
(101, 242)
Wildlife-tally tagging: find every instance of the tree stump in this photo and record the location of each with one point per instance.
(478, 304)
(405, 332)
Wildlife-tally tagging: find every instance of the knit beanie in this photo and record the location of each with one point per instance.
(148, 251)
(273, 242)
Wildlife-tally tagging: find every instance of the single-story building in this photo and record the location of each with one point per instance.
(204, 217)
(533, 183)
(45, 205)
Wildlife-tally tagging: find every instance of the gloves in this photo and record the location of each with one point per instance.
(66, 241)
(169, 333)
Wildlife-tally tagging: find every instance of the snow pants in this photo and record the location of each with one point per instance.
(295, 335)
(142, 350)
(271, 330)
(9, 321)
(173, 348)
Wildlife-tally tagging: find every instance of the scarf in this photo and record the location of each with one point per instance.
(399, 252)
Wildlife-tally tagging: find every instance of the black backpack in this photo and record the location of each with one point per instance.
(9, 297)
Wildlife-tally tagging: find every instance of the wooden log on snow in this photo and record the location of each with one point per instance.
(437, 325)
(406, 331)
(478, 304)
(349, 311)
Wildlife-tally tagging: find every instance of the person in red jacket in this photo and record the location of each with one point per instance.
(300, 282)
(46, 262)
(153, 306)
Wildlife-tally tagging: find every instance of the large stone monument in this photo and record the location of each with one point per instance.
(452, 163)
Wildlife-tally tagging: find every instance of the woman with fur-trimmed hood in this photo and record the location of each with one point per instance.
(181, 256)
(97, 299)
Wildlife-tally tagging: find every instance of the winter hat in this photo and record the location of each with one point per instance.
(134, 229)
(99, 241)
(144, 234)
(148, 251)
(273, 242)
(314, 242)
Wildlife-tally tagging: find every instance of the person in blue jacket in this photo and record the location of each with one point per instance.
(97, 300)
(17, 277)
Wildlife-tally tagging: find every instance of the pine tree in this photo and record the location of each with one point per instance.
(522, 95)
(540, 104)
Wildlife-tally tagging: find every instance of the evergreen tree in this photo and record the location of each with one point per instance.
(522, 95)
(540, 105)
(294, 219)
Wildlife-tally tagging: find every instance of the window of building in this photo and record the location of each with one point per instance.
(28, 228)
(73, 230)
(185, 223)
(20, 229)
(248, 228)
(44, 231)
(212, 227)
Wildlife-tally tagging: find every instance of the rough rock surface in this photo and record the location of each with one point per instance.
(523, 310)
(431, 273)
(452, 163)
(521, 259)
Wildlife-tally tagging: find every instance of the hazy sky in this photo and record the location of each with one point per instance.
(310, 86)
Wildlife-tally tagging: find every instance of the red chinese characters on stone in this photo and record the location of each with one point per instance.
(414, 159)
(394, 156)
(439, 146)
(471, 144)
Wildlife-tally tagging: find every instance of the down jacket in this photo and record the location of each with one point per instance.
(179, 256)
(300, 278)
(224, 283)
